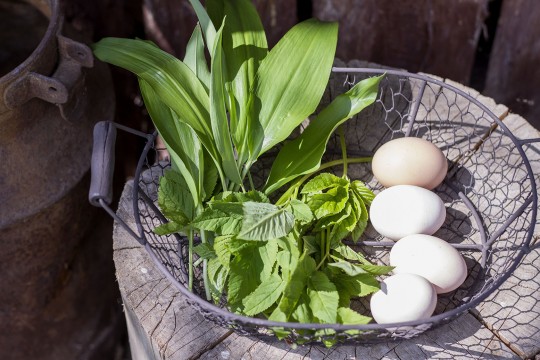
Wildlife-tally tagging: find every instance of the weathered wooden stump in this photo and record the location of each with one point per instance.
(163, 326)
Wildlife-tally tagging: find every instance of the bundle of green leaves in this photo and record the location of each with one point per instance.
(282, 260)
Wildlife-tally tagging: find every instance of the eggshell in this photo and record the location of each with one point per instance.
(409, 161)
(431, 258)
(403, 297)
(404, 210)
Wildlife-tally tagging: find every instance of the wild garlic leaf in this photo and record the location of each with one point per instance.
(297, 284)
(205, 251)
(283, 96)
(170, 228)
(324, 297)
(174, 199)
(348, 316)
(266, 294)
(209, 177)
(303, 154)
(262, 222)
(323, 182)
(218, 112)
(195, 58)
(301, 211)
(206, 24)
(363, 191)
(328, 203)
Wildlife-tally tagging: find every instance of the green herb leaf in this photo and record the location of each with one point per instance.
(377, 269)
(218, 221)
(206, 24)
(174, 199)
(264, 221)
(217, 276)
(303, 154)
(303, 313)
(350, 317)
(283, 96)
(359, 285)
(324, 297)
(218, 113)
(301, 211)
(205, 251)
(348, 267)
(264, 296)
(297, 284)
(363, 191)
(195, 59)
(221, 247)
(328, 203)
(170, 228)
(323, 182)
(312, 244)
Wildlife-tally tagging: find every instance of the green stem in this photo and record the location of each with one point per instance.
(250, 181)
(287, 195)
(343, 149)
(190, 260)
(205, 270)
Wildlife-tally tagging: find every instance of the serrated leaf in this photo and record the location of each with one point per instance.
(264, 296)
(296, 284)
(262, 222)
(359, 285)
(323, 182)
(302, 313)
(205, 251)
(287, 259)
(252, 195)
(312, 244)
(348, 316)
(221, 247)
(349, 253)
(361, 215)
(377, 269)
(218, 221)
(301, 211)
(324, 297)
(217, 276)
(348, 268)
(169, 228)
(237, 245)
(303, 154)
(329, 203)
(338, 218)
(363, 191)
(174, 199)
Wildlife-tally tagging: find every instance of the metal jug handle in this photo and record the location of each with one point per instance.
(59, 88)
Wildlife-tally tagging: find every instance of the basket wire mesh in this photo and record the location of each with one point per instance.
(489, 193)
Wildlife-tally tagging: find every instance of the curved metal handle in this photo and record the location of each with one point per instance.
(102, 166)
(59, 87)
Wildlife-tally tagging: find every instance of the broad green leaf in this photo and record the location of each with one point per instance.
(172, 80)
(297, 284)
(363, 191)
(279, 316)
(205, 251)
(329, 203)
(206, 24)
(264, 221)
(377, 269)
(287, 258)
(252, 195)
(348, 268)
(174, 199)
(221, 247)
(291, 80)
(361, 215)
(237, 245)
(217, 274)
(218, 112)
(303, 313)
(169, 228)
(195, 59)
(244, 46)
(349, 253)
(218, 221)
(210, 176)
(334, 219)
(303, 154)
(323, 182)
(181, 141)
(324, 297)
(301, 211)
(359, 285)
(312, 244)
(264, 296)
(348, 316)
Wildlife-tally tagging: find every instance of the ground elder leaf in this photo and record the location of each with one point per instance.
(324, 298)
(264, 296)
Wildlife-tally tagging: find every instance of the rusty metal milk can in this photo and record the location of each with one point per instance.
(49, 102)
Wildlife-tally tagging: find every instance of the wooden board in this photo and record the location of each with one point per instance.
(415, 35)
(513, 74)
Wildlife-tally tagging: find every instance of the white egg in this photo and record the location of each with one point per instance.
(403, 297)
(432, 258)
(406, 209)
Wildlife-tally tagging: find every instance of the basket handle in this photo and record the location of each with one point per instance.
(100, 193)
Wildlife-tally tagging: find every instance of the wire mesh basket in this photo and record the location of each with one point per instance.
(489, 193)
